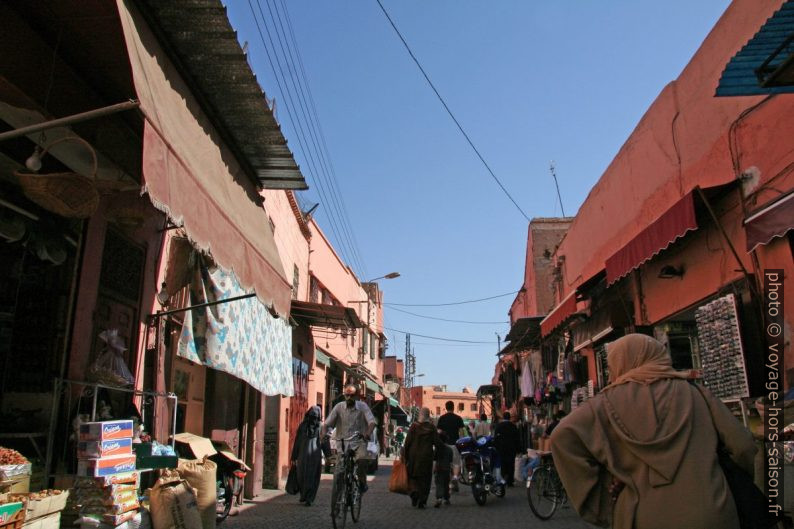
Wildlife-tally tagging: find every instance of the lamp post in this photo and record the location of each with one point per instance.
(390, 275)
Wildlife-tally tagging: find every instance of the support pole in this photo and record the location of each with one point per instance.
(69, 120)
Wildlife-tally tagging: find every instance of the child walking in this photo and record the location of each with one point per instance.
(443, 470)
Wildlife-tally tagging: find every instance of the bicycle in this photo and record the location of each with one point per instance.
(545, 492)
(346, 492)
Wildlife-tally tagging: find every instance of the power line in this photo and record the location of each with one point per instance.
(297, 128)
(321, 147)
(444, 319)
(471, 143)
(434, 337)
(452, 303)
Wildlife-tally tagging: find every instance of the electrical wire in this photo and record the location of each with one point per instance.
(435, 337)
(460, 127)
(444, 319)
(324, 151)
(299, 80)
(452, 303)
(297, 126)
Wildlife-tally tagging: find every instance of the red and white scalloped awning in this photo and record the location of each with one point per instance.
(661, 233)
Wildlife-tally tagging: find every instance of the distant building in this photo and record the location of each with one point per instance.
(435, 397)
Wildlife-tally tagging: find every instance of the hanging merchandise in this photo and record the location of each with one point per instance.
(536, 364)
(527, 380)
(721, 351)
(109, 367)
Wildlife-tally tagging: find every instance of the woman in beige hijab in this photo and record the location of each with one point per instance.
(653, 434)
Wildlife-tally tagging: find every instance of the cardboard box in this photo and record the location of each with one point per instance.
(46, 506)
(105, 430)
(51, 521)
(104, 481)
(16, 484)
(106, 466)
(109, 447)
(9, 510)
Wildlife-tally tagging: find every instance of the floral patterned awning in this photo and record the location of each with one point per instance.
(240, 337)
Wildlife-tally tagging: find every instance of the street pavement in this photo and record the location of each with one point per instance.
(384, 510)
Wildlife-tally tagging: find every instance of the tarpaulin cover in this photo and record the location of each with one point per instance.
(672, 224)
(239, 337)
(773, 220)
(192, 176)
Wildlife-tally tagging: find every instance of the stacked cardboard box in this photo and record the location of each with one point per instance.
(107, 487)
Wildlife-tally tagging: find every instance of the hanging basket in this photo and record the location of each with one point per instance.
(67, 194)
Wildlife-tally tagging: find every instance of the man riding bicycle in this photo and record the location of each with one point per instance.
(350, 417)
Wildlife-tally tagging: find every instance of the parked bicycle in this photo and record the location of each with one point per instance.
(346, 492)
(545, 491)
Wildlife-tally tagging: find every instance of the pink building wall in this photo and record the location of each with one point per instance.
(686, 123)
(690, 138)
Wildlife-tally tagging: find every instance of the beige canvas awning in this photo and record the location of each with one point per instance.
(191, 174)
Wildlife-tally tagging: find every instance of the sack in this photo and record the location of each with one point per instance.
(200, 474)
(292, 486)
(398, 482)
(172, 503)
(751, 503)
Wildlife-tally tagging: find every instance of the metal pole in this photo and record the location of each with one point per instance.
(69, 120)
(160, 314)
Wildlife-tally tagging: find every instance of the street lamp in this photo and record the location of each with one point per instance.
(391, 275)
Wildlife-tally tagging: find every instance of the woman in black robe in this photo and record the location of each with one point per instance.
(419, 448)
(306, 455)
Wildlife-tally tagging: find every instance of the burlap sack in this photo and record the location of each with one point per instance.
(200, 473)
(173, 503)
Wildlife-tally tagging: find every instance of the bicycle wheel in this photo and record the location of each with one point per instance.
(542, 494)
(339, 502)
(355, 501)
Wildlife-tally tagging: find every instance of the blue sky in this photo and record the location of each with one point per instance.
(529, 81)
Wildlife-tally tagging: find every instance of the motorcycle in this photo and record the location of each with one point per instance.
(229, 475)
(480, 468)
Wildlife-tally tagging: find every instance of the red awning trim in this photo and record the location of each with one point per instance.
(673, 224)
(773, 220)
(560, 313)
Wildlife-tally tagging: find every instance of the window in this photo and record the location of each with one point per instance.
(314, 290)
(474, 407)
(373, 344)
(461, 406)
(296, 277)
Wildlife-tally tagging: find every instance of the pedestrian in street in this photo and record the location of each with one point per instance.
(453, 426)
(443, 467)
(470, 429)
(420, 443)
(307, 455)
(642, 454)
(483, 428)
(508, 443)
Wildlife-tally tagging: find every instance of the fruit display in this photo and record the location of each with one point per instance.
(11, 457)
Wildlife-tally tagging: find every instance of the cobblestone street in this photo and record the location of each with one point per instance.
(384, 510)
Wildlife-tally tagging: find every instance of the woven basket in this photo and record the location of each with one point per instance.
(67, 194)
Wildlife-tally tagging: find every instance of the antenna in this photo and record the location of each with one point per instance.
(557, 185)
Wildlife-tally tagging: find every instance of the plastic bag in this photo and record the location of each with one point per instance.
(109, 367)
(398, 482)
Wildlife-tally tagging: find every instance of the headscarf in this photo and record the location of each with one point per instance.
(312, 421)
(641, 359)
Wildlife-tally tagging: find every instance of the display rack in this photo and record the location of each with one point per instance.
(721, 352)
(90, 390)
